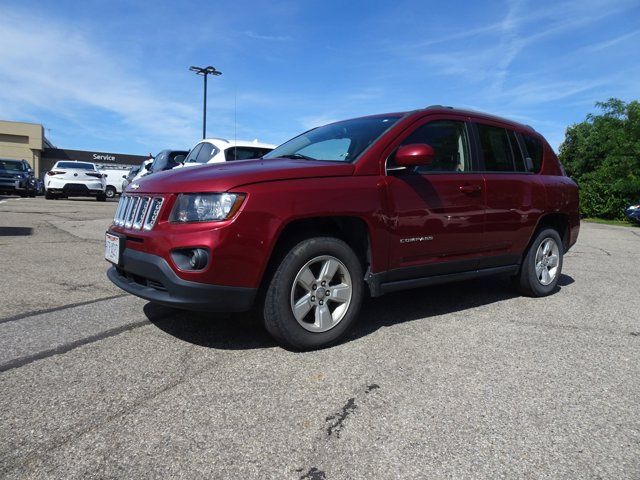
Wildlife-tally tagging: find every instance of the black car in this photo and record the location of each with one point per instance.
(16, 178)
(632, 213)
(166, 160)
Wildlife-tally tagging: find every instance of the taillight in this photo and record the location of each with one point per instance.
(94, 174)
(55, 172)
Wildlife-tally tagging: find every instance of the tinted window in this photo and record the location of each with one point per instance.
(193, 154)
(534, 151)
(448, 138)
(518, 156)
(359, 132)
(496, 149)
(79, 165)
(204, 155)
(244, 153)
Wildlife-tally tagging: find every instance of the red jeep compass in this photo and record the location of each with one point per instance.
(375, 204)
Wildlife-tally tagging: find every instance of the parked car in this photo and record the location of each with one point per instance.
(632, 212)
(167, 159)
(75, 179)
(373, 204)
(16, 178)
(217, 150)
(133, 171)
(114, 177)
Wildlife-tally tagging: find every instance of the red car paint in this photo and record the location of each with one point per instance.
(476, 219)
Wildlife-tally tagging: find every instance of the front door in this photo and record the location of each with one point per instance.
(436, 212)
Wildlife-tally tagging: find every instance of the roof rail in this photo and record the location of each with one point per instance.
(439, 106)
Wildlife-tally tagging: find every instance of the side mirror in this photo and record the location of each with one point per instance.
(415, 155)
(148, 166)
(179, 158)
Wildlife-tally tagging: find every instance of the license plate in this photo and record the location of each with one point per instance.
(112, 248)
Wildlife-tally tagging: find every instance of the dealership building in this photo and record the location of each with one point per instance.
(19, 140)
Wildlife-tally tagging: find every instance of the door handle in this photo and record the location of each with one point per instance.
(470, 188)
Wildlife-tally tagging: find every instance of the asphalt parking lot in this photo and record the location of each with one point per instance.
(466, 380)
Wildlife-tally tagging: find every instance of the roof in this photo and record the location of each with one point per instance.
(224, 143)
(475, 113)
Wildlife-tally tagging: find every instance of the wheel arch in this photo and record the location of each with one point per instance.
(353, 230)
(557, 221)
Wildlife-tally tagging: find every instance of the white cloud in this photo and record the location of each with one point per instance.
(272, 38)
(63, 71)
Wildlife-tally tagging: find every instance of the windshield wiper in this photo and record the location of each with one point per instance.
(297, 156)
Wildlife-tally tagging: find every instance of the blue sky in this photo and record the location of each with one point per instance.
(113, 76)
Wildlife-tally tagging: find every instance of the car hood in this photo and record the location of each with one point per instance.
(221, 177)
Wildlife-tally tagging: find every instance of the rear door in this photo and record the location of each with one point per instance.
(514, 196)
(436, 211)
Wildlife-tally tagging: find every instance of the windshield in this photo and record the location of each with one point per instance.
(12, 165)
(78, 165)
(337, 142)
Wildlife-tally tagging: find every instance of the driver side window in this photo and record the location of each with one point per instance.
(449, 140)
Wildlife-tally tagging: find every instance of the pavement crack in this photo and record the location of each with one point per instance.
(313, 474)
(336, 421)
(321, 453)
(56, 309)
(67, 347)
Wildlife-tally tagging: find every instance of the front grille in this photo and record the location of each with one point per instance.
(138, 212)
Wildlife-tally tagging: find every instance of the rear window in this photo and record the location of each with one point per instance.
(534, 151)
(78, 165)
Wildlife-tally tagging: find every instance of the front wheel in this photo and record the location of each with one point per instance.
(542, 265)
(110, 192)
(315, 294)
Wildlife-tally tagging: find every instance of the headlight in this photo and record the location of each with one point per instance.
(634, 207)
(205, 207)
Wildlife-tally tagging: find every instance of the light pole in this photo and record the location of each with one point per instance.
(205, 71)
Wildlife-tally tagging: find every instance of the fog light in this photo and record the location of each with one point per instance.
(191, 258)
(198, 259)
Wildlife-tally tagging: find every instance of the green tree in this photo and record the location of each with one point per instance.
(602, 154)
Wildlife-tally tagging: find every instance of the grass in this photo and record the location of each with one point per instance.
(620, 223)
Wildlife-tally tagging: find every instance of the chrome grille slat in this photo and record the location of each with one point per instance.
(138, 212)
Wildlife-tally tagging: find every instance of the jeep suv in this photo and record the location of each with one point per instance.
(364, 206)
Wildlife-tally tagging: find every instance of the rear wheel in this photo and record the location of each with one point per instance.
(110, 192)
(542, 265)
(315, 294)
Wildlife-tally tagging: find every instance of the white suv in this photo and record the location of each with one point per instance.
(214, 150)
(75, 179)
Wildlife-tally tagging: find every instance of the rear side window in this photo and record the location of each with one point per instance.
(448, 138)
(495, 145)
(534, 151)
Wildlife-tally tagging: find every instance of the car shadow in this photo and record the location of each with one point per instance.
(242, 331)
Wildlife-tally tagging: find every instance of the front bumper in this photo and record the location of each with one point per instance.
(150, 277)
(9, 184)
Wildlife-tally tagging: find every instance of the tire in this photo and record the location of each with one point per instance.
(49, 196)
(101, 197)
(327, 319)
(110, 192)
(32, 194)
(539, 273)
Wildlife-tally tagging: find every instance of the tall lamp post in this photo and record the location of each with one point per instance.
(205, 71)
